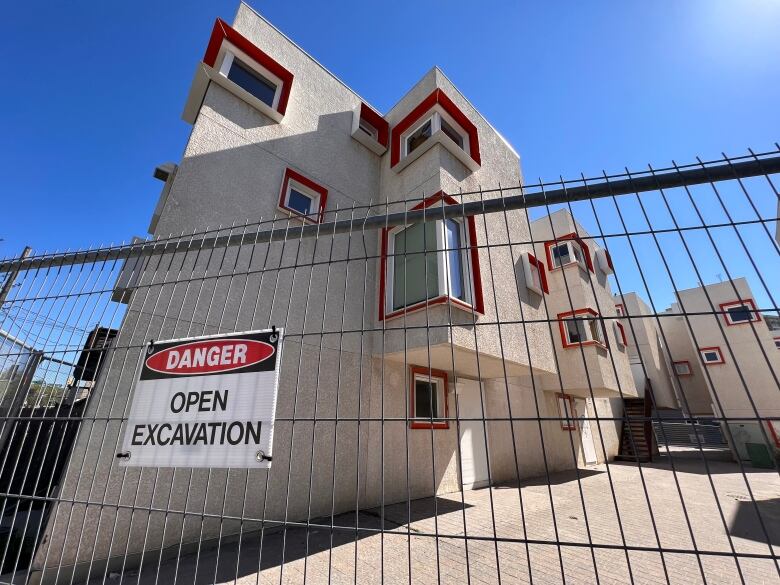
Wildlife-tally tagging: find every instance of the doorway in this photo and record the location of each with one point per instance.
(586, 436)
(473, 449)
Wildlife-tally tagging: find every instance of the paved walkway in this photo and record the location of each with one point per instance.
(409, 552)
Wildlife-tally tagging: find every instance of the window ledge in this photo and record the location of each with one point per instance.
(440, 300)
(586, 344)
(438, 137)
(575, 263)
(415, 424)
(203, 75)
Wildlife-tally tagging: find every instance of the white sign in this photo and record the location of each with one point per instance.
(205, 402)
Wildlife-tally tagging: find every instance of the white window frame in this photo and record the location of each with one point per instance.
(314, 213)
(529, 270)
(567, 412)
(711, 363)
(687, 371)
(442, 266)
(434, 115)
(572, 245)
(600, 339)
(753, 316)
(441, 399)
(227, 53)
(620, 334)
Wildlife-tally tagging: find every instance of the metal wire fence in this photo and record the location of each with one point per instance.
(555, 382)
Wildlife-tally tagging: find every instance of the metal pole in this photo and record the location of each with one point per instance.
(14, 272)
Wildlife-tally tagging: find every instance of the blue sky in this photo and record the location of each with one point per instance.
(93, 92)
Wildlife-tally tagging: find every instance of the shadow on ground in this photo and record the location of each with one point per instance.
(217, 564)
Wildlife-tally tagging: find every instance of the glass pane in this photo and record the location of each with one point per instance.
(411, 283)
(560, 254)
(425, 399)
(595, 330)
(451, 132)
(252, 82)
(367, 128)
(418, 137)
(576, 330)
(452, 231)
(577, 252)
(739, 314)
(299, 202)
(711, 356)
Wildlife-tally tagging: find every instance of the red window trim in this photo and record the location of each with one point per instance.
(534, 261)
(307, 182)
(624, 339)
(440, 98)
(377, 121)
(755, 316)
(572, 236)
(223, 31)
(622, 308)
(478, 306)
(566, 426)
(428, 372)
(609, 259)
(562, 326)
(686, 362)
(715, 348)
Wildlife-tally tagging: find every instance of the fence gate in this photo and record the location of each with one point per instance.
(467, 390)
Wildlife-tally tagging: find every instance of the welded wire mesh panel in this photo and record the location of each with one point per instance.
(558, 382)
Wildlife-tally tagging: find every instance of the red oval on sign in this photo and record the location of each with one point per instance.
(210, 356)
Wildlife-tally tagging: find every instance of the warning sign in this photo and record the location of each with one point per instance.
(205, 402)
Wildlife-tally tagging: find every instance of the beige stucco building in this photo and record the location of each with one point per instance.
(407, 351)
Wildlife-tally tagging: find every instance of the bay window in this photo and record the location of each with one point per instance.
(566, 251)
(428, 263)
(581, 327)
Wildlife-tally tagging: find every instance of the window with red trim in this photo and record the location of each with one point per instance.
(620, 309)
(566, 251)
(248, 72)
(777, 342)
(683, 368)
(711, 356)
(567, 412)
(740, 312)
(582, 327)
(428, 263)
(604, 260)
(436, 120)
(620, 334)
(535, 276)
(370, 129)
(302, 197)
(428, 401)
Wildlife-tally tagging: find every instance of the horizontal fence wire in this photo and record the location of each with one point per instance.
(572, 381)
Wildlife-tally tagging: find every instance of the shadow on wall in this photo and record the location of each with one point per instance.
(745, 523)
(276, 548)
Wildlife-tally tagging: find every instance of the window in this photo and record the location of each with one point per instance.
(370, 129)
(711, 356)
(535, 277)
(777, 342)
(567, 250)
(620, 334)
(239, 66)
(739, 312)
(251, 81)
(567, 412)
(682, 368)
(604, 261)
(581, 327)
(419, 136)
(436, 120)
(429, 263)
(620, 309)
(428, 407)
(302, 197)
